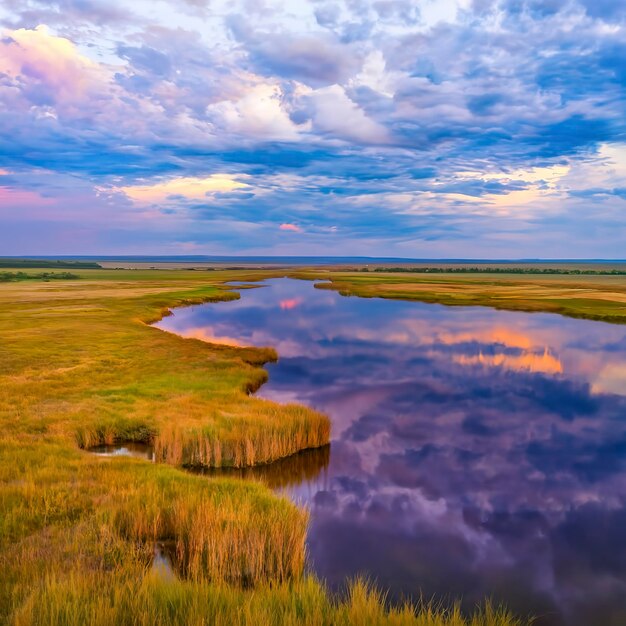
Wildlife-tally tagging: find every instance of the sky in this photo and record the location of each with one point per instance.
(421, 129)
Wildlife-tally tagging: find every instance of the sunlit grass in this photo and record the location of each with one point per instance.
(82, 363)
(152, 600)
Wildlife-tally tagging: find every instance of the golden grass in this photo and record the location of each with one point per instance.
(153, 601)
(224, 532)
(79, 366)
(290, 471)
(67, 515)
(272, 433)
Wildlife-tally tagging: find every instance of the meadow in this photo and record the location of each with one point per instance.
(80, 366)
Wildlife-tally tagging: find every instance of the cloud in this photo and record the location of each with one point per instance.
(294, 228)
(333, 113)
(317, 61)
(290, 303)
(185, 187)
(495, 125)
(146, 58)
(257, 114)
(21, 199)
(48, 70)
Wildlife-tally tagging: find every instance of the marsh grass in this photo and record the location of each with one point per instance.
(153, 601)
(81, 361)
(227, 531)
(65, 515)
(272, 433)
(79, 367)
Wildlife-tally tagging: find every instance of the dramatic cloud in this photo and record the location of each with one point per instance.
(484, 128)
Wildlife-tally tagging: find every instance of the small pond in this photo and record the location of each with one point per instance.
(135, 449)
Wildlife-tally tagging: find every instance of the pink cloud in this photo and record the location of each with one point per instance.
(49, 63)
(291, 227)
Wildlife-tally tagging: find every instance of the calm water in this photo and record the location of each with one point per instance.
(475, 452)
(129, 448)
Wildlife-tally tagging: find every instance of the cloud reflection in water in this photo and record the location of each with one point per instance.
(475, 452)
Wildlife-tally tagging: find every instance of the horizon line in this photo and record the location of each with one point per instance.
(352, 258)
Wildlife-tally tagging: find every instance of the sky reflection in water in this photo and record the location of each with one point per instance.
(474, 451)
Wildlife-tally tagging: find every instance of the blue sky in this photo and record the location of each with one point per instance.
(439, 128)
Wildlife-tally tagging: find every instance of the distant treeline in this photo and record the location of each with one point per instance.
(37, 263)
(9, 277)
(497, 270)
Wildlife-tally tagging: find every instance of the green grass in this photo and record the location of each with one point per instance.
(46, 263)
(79, 365)
(8, 277)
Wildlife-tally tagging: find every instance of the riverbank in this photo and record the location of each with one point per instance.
(595, 297)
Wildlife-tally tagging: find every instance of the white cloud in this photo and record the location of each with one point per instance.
(336, 114)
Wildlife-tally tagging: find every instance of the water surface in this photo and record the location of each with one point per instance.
(474, 452)
(135, 449)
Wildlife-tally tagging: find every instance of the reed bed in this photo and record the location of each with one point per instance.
(271, 433)
(230, 531)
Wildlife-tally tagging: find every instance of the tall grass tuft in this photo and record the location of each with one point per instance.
(261, 433)
(230, 531)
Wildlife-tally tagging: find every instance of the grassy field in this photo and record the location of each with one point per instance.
(596, 297)
(80, 363)
(79, 366)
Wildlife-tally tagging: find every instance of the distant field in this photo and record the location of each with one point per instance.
(506, 269)
(332, 263)
(12, 263)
